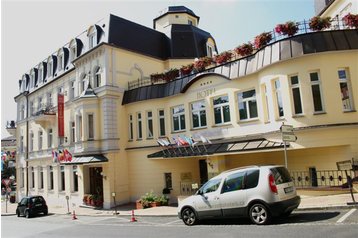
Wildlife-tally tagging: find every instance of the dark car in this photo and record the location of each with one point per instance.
(30, 206)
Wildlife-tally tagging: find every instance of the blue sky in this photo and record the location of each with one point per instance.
(32, 30)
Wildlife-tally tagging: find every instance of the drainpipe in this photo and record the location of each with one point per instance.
(26, 93)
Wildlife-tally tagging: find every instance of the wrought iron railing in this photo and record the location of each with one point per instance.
(321, 178)
(45, 109)
(225, 69)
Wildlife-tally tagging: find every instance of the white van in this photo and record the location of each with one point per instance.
(258, 192)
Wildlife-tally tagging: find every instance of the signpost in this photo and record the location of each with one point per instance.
(347, 165)
(287, 136)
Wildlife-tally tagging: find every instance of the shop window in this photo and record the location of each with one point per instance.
(149, 125)
(278, 98)
(345, 87)
(178, 115)
(221, 110)
(62, 178)
(247, 105)
(139, 126)
(316, 92)
(161, 123)
(198, 114)
(296, 95)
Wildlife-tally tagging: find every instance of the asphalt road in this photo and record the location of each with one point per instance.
(329, 223)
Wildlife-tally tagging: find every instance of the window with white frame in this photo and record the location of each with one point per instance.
(22, 112)
(50, 178)
(345, 87)
(97, 77)
(49, 99)
(90, 127)
(265, 98)
(130, 128)
(149, 125)
(40, 74)
(49, 68)
(40, 140)
(21, 144)
(161, 122)
(247, 104)
(75, 178)
(139, 126)
(178, 115)
(73, 132)
(22, 178)
(32, 177)
(296, 95)
(32, 79)
(79, 128)
(31, 144)
(221, 110)
(92, 40)
(32, 108)
(316, 92)
(278, 98)
(73, 53)
(60, 62)
(62, 178)
(72, 89)
(50, 138)
(40, 104)
(83, 83)
(210, 49)
(41, 177)
(198, 114)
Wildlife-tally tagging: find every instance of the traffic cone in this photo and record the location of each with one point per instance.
(133, 218)
(74, 215)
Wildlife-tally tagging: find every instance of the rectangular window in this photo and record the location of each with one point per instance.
(161, 123)
(31, 145)
(79, 129)
(247, 105)
(198, 114)
(316, 92)
(90, 127)
(32, 185)
(73, 132)
(73, 53)
(130, 128)
(41, 178)
(178, 115)
(266, 102)
(50, 138)
(21, 144)
(32, 108)
(49, 69)
(40, 75)
(91, 41)
(22, 179)
(149, 125)
(60, 62)
(278, 95)
(221, 110)
(296, 95)
(345, 87)
(62, 178)
(40, 104)
(50, 184)
(139, 126)
(40, 140)
(72, 89)
(168, 180)
(75, 178)
(49, 99)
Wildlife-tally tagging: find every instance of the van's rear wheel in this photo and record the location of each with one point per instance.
(27, 214)
(259, 214)
(189, 217)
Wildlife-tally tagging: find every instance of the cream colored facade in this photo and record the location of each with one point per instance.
(97, 122)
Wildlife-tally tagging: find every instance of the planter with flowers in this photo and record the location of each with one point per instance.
(201, 63)
(262, 40)
(171, 74)
(186, 69)
(351, 20)
(318, 23)
(156, 77)
(244, 49)
(289, 28)
(223, 57)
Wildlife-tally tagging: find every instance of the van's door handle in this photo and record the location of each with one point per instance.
(216, 198)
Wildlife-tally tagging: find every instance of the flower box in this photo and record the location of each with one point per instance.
(351, 20)
(289, 28)
(202, 63)
(156, 77)
(319, 23)
(262, 40)
(244, 49)
(186, 69)
(223, 57)
(171, 75)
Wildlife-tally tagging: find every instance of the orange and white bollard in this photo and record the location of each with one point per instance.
(133, 218)
(74, 215)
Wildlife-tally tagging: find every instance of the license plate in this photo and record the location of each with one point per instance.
(289, 190)
(38, 205)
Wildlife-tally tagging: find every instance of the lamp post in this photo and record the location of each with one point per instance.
(26, 93)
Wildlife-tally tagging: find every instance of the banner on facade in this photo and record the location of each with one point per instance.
(60, 114)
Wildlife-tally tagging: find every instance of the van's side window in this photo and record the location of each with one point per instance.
(234, 182)
(211, 186)
(252, 178)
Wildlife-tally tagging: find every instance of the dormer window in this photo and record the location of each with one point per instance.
(75, 48)
(32, 79)
(49, 68)
(94, 34)
(210, 47)
(92, 40)
(60, 62)
(73, 53)
(40, 75)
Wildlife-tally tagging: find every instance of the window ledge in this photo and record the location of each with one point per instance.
(174, 132)
(198, 128)
(150, 138)
(319, 113)
(248, 120)
(280, 119)
(222, 125)
(139, 139)
(298, 115)
(349, 111)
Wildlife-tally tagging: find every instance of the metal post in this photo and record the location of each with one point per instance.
(349, 181)
(284, 146)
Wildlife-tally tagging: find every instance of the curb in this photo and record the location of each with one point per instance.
(326, 208)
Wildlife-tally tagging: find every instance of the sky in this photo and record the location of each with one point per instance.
(33, 30)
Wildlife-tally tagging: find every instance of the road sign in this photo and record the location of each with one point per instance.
(286, 129)
(289, 137)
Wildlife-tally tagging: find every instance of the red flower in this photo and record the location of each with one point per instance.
(351, 20)
(262, 40)
(289, 28)
(223, 57)
(244, 49)
(319, 23)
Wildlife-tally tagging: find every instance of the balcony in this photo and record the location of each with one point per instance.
(336, 38)
(45, 114)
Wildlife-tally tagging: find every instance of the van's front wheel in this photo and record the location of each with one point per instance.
(259, 214)
(189, 217)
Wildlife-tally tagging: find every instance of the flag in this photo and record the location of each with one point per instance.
(188, 140)
(160, 142)
(61, 156)
(205, 140)
(54, 157)
(182, 141)
(177, 142)
(67, 155)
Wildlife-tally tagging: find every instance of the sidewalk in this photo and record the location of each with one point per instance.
(307, 203)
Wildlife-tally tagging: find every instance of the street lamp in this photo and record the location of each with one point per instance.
(26, 93)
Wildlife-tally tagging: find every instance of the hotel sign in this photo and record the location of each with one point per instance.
(205, 93)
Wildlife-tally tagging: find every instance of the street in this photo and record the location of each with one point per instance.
(323, 223)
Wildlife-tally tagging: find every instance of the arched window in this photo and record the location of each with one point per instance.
(40, 73)
(75, 48)
(83, 83)
(32, 78)
(97, 77)
(94, 34)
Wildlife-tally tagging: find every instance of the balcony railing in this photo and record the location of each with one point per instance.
(226, 69)
(45, 109)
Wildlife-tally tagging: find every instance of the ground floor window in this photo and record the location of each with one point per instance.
(50, 187)
(62, 178)
(75, 178)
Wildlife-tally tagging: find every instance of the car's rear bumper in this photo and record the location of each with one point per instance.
(282, 207)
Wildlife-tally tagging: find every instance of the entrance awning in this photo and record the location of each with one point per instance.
(87, 159)
(217, 147)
